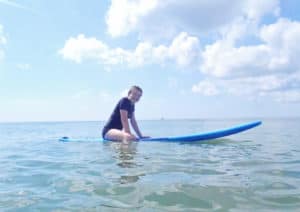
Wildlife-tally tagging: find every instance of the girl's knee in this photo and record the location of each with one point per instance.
(129, 137)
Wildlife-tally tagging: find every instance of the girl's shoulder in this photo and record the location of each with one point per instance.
(125, 103)
(124, 99)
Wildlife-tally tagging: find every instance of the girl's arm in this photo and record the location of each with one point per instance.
(124, 120)
(135, 126)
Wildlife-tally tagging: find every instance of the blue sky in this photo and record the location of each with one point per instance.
(72, 60)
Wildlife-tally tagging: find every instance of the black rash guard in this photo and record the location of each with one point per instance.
(114, 121)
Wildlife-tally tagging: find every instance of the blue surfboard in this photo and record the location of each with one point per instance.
(186, 138)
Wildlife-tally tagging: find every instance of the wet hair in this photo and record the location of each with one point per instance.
(135, 87)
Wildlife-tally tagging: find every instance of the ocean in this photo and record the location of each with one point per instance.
(258, 169)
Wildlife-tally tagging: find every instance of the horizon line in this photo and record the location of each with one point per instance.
(156, 119)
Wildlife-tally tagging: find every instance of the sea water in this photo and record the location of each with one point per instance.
(258, 169)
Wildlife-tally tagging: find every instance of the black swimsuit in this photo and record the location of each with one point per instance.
(114, 121)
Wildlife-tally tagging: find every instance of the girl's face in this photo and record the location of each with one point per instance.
(134, 95)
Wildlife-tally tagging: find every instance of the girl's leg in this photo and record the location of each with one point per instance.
(118, 135)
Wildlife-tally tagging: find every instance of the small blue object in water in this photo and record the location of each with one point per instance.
(64, 139)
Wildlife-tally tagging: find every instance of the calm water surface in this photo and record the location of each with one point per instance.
(255, 170)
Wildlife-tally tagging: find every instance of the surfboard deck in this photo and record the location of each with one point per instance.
(186, 138)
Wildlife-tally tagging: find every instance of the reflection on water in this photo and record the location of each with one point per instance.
(125, 158)
(124, 154)
(129, 179)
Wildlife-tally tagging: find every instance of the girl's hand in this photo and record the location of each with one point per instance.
(142, 137)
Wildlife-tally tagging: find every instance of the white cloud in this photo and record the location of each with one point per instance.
(223, 60)
(184, 50)
(240, 56)
(277, 52)
(10, 3)
(280, 86)
(255, 85)
(124, 15)
(15, 5)
(269, 68)
(291, 96)
(255, 9)
(205, 88)
(80, 48)
(2, 42)
(159, 17)
(2, 38)
(255, 70)
(283, 39)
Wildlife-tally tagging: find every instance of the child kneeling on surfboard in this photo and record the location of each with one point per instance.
(117, 128)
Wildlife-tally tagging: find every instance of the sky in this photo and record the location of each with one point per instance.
(72, 60)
